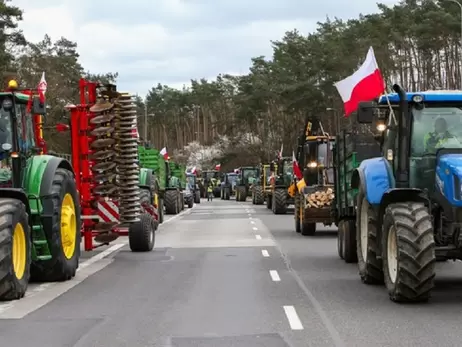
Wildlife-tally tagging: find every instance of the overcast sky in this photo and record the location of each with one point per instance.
(173, 41)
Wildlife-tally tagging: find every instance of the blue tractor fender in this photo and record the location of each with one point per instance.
(375, 177)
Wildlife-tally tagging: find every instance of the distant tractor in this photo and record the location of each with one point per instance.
(278, 197)
(247, 176)
(228, 185)
(39, 202)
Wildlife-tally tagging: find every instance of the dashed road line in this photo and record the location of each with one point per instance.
(265, 253)
(275, 276)
(254, 228)
(252, 222)
(258, 237)
(292, 317)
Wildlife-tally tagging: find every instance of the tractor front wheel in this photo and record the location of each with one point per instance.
(142, 234)
(171, 202)
(259, 197)
(63, 233)
(349, 241)
(15, 249)
(279, 201)
(241, 194)
(409, 252)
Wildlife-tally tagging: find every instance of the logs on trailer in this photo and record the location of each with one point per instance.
(320, 198)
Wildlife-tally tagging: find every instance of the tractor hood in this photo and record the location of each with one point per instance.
(449, 177)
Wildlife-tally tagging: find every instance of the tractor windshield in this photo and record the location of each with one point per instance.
(191, 179)
(250, 175)
(232, 178)
(432, 128)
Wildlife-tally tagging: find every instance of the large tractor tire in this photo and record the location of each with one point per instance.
(160, 210)
(408, 252)
(171, 201)
(142, 234)
(349, 241)
(340, 235)
(258, 195)
(197, 197)
(269, 201)
(227, 194)
(279, 201)
(63, 233)
(241, 193)
(15, 249)
(369, 264)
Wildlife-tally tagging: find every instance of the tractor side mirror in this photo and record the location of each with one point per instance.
(366, 112)
(38, 107)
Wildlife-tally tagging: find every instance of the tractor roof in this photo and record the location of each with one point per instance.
(428, 96)
(19, 96)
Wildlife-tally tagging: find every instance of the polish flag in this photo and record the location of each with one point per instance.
(280, 152)
(42, 88)
(218, 167)
(296, 168)
(163, 152)
(364, 85)
(193, 170)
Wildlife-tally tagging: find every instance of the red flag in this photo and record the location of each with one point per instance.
(218, 167)
(163, 152)
(364, 85)
(296, 168)
(42, 88)
(280, 152)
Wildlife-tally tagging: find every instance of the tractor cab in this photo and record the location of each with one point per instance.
(284, 171)
(247, 177)
(20, 132)
(317, 158)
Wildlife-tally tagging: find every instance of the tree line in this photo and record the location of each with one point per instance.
(416, 43)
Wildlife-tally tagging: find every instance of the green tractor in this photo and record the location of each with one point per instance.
(39, 202)
(228, 186)
(248, 176)
(173, 196)
(278, 197)
(212, 177)
(193, 185)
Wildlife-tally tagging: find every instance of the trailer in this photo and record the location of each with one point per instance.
(351, 148)
(115, 197)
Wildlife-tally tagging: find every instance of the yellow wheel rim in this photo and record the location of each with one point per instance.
(156, 200)
(68, 226)
(19, 251)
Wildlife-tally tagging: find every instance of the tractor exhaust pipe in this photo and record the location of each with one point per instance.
(402, 174)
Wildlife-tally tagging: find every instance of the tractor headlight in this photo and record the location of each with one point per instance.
(313, 164)
(381, 127)
(417, 98)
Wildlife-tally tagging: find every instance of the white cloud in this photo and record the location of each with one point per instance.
(172, 41)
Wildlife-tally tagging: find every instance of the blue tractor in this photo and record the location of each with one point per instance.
(409, 200)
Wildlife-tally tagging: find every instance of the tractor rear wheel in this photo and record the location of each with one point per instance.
(408, 252)
(64, 234)
(340, 236)
(160, 210)
(349, 241)
(269, 201)
(241, 194)
(298, 224)
(370, 266)
(15, 249)
(227, 194)
(197, 197)
(279, 201)
(171, 202)
(259, 197)
(142, 234)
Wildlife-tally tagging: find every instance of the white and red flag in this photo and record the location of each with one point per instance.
(296, 167)
(364, 85)
(42, 88)
(218, 167)
(163, 152)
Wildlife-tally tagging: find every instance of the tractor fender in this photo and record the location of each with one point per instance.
(18, 194)
(375, 177)
(38, 178)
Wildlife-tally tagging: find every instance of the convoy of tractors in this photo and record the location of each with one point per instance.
(395, 199)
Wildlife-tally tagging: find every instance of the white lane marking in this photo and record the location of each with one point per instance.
(258, 237)
(252, 222)
(249, 214)
(250, 217)
(254, 228)
(265, 253)
(292, 317)
(33, 301)
(275, 276)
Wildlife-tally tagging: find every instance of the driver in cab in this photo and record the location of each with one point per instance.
(437, 139)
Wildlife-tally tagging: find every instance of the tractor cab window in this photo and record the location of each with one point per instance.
(432, 128)
(191, 180)
(250, 175)
(6, 142)
(326, 159)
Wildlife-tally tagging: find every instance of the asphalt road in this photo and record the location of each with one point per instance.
(229, 274)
